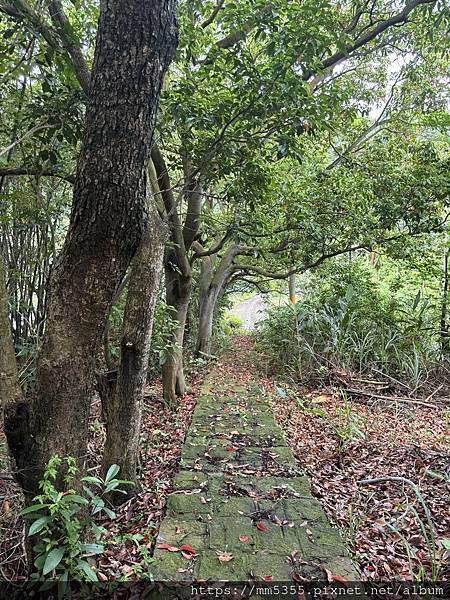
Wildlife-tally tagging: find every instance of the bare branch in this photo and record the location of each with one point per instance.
(72, 47)
(213, 15)
(19, 171)
(398, 19)
(27, 135)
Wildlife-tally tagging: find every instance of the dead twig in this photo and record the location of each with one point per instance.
(435, 392)
(390, 398)
(392, 379)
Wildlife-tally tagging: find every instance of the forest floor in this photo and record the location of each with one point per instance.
(337, 442)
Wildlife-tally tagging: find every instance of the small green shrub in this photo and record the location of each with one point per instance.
(348, 322)
(231, 324)
(64, 524)
(349, 426)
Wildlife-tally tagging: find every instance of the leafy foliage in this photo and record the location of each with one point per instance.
(63, 521)
(346, 320)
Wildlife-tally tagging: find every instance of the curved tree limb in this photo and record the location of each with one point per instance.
(213, 15)
(397, 19)
(72, 47)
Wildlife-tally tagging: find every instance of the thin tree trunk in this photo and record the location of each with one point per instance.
(135, 43)
(205, 306)
(125, 406)
(213, 283)
(10, 392)
(445, 333)
(178, 295)
(292, 289)
(205, 324)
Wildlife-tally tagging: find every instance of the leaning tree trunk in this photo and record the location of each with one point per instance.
(125, 405)
(213, 283)
(135, 43)
(178, 295)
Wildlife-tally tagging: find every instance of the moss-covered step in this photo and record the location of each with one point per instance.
(240, 504)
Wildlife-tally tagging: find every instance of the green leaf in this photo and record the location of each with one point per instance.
(33, 508)
(111, 514)
(92, 548)
(111, 486)
(38, 525)
(95, 480)
(53, 559)
(87, 570)
(75, 498)
(112, 472)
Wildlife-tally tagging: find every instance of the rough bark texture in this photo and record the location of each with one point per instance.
(123, 416)
(135, 43)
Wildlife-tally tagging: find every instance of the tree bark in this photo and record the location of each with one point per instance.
(213, 282)
(11, 399)
(135, 43)
(123, 416)
(178, 295)
(292, 289)
(445, 328)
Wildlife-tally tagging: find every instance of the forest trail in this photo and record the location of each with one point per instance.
(241, 509)
(250, 311)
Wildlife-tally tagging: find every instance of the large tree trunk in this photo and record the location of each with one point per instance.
(178, 295)
(135, 43)
(125, 405)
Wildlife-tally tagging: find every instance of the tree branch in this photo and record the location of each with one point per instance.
(398, 19)
(200, 252)
(178, 247)
(213, 15)
(28, 134)
(192, 220)
(70, 44)
(19, 171)
(21, 10)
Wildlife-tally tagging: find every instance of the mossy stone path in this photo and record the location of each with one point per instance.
(240, 494)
